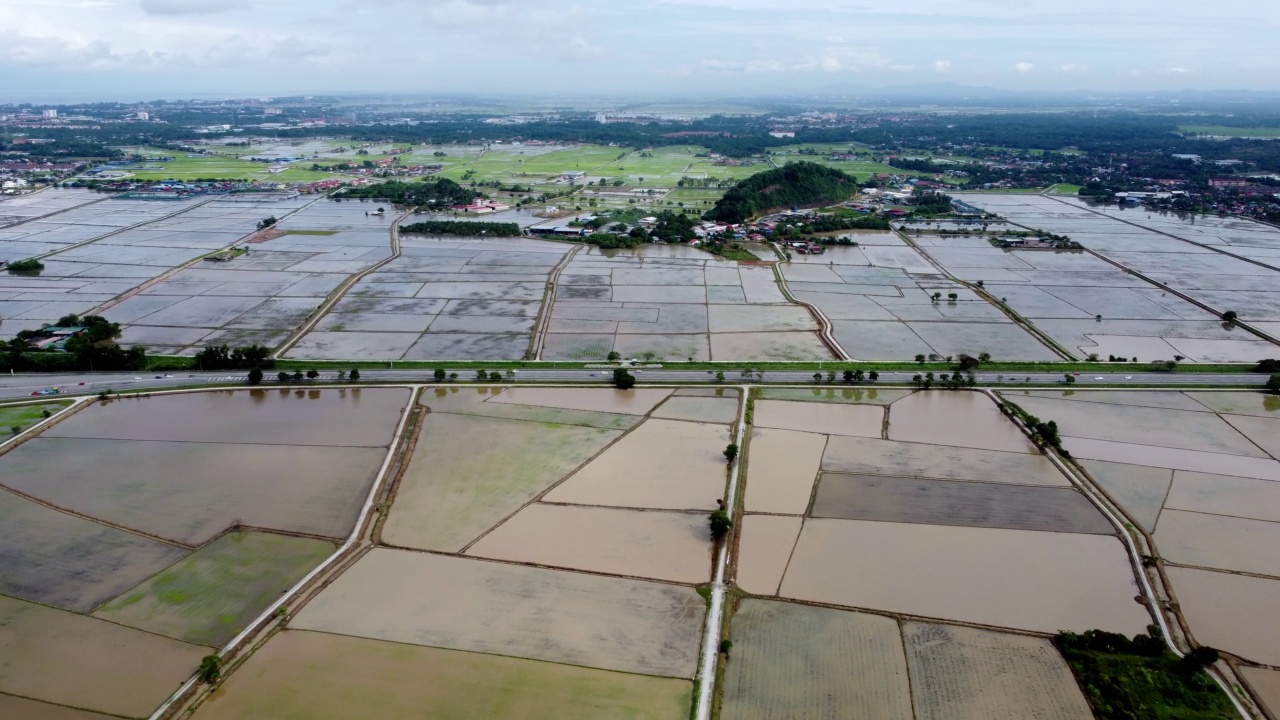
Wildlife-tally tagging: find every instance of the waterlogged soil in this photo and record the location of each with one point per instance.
(190, 492)
(1172, 458)
(830, 418)
(1240, 403)
(1265, 684)
(795, 661)
(69, 562)
(961, 673)
(319, 676)
(23, 709)
(1228, 611)
(662, 545)
(764, 548)
(664, 464)
(782, 467)
(700, 409)
(502, 609)
(1219, 542)
(1225, 495)
(963, 419)
(332, 417)
(637, 401)
(87, 663)
(1159, 427)
(1043, 582)
(866, 395)
(1263, 431)
(903, 459)
(1139, 490)
(468, 474)
(214, 593)
(968, 504)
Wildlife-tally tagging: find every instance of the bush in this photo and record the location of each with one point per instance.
(30, 265)
(255, 376)
(623, 380)
(720, 523)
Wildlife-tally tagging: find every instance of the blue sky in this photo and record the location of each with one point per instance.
(141, 49)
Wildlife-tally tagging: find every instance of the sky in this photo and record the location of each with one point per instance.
(72, 50)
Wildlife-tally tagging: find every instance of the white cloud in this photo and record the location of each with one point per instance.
(942, 66)
(1177, 71)
(189, 7)
(1023, 67)
(580, 48)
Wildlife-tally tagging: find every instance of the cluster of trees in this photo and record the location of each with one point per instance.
(462, 227)
(222, 357)
(796, 184)
(434, 194)
(929, 202)
(62, 148)
(28, 266)
(1125, 679)
(94, 349)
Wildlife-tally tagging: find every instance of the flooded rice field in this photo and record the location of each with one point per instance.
(963, 419)
(783, 466)
(765, 545)
(664, 464)
(187, 466)
(675, 305)
(1005, 578)
(721, 410)
(503, 609)
(894, 458)
(792, 661)
(1198, 470)
(662, 545)
(1223, 611)
(637, 401)
(962, 673)
(1265, 684)
(84, 662)
(834, 418)
(328, 677)
(468, 474)
(944, 502)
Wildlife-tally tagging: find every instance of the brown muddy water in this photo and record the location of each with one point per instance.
(637, 401)
(819, 417)
(1229, 611)
(961, 419)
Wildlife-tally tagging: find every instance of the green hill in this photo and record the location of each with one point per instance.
(796, 184)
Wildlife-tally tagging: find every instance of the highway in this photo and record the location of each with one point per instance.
(23, 385)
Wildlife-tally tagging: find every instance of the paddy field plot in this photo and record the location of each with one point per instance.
(962, 673)
(674, 302)
(869, 396)
(766, 541)
(323, 676)
(834, 418)
(636, 401)
(963, 419)
(503, 609)
(474, 401)
(662, 464)
(71, 562)
(782, 468)
(723, 410)
(213, 593)
(792, 661)
(1189, 468)
(911, 459)
(64, 658)
(1036, 581)
(658, 544)
(468, 474)
(1265, 684)
(16, 707)
(247, 457)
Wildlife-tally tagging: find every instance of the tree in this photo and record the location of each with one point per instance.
(1273, 384)
(354, 375)
(984, 357)
(1069, 379)
(614, 356)
(495, 376)
(873, 376)
(719, 376)
(1229, 316)
(255, 376)
(817, 377)
(481, 375)
(1196, 660)
(266, 223)
(847, 375)
(831, 376)
(623, 380)
(920, 358)
(953, 297)
(313, 374)
(210, 669)
(440, 374)
(731, 451)
(282, 376)
(720, 523)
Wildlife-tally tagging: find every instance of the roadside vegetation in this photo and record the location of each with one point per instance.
(462, 227)
(1140, 679)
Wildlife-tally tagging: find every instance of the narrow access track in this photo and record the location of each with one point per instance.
(549, 298)
(341, 291)
(706, 680)
(825, 329)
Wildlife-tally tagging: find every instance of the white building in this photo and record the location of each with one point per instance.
(142, 115)
(50, 114)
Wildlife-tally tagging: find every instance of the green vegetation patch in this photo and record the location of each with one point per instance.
(24, 416)
(214, 593)
(1140, 679)
(462, 227)
(801, 183)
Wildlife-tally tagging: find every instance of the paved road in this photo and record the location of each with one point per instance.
(23, 385)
